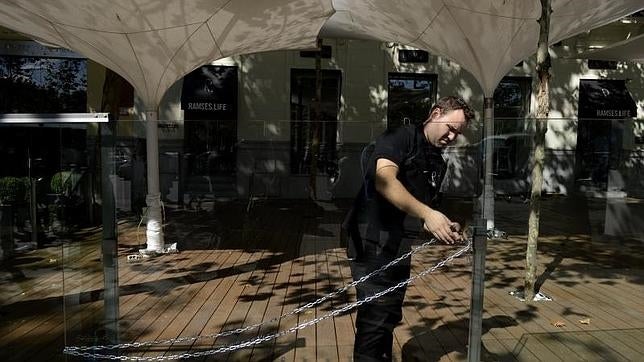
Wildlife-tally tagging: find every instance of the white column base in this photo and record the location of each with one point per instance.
(154, 225)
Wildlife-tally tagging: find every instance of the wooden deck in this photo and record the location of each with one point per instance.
(236, 269)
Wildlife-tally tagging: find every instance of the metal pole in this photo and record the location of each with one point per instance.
(33, 211)
(33, 207)
(110, 238)
(488, 184)
(154, 225)
(478, 285)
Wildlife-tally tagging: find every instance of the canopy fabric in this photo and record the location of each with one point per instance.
(153, 43)
(487, 37)
(627, 50)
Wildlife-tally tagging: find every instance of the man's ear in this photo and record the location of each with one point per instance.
(436, 112)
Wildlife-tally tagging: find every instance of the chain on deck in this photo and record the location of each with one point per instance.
(91, 351)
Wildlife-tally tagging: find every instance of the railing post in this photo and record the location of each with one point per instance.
(110, 238)
(479, 244)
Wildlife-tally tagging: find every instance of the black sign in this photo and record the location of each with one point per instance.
(211, 91)
(605, 99)
(413, 56)
(602, 64)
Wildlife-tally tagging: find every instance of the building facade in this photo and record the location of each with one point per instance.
(253, 135)
(252, 126)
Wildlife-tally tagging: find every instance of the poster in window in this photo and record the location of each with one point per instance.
(211, 91)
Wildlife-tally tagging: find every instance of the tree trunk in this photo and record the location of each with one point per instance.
(315, 123)
(543, 105)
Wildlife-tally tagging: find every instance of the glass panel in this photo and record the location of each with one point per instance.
(79, 212)
(247, 239)
(254, 247)
(49, 216)
(239, 250)
(46, 204)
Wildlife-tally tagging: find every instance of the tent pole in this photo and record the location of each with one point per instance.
(480, 237)
(154, 225)
(488, 185)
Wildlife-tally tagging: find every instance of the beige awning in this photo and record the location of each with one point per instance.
(153, 43)
(487, 37)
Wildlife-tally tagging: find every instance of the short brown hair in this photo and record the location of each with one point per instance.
(452, 103)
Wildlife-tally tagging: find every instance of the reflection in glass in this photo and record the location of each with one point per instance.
(42, 85)
(409, 98)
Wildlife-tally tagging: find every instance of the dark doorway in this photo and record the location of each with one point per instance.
(211, 145)
(603, 106)
(303, 120)
(209, 101)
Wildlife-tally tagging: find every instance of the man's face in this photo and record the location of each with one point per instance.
(444, 127)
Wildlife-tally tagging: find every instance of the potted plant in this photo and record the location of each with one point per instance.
(13, 191)
(63, 184)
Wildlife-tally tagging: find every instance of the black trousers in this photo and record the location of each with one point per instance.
(375, 321)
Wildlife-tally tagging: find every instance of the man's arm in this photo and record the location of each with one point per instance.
(388, 185)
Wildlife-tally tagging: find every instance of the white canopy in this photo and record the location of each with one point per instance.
(627, 50)
(153, 43)
(487, 37)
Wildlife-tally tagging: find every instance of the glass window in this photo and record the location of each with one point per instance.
(42, 85)
(410, 97)
(512, 97)
(511, 140)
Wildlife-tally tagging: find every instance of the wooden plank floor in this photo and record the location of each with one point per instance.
(236, 269)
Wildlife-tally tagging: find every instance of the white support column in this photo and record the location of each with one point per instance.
(488, 185)
(154, 226)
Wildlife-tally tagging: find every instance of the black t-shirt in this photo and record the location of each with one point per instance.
(421, 169)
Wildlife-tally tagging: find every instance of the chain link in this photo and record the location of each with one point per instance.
(83, 351)
(258, 325)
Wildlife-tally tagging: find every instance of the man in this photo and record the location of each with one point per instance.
(402, 176)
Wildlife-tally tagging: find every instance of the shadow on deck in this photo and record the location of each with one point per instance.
(238, 266)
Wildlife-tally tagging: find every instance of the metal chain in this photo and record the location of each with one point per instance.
(258, 325)
(81, 351)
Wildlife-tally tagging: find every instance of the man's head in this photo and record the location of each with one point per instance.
(447, 119)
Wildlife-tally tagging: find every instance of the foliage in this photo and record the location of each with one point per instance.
(47, 85)
(14, 190)
(64, 182)
(61, 182)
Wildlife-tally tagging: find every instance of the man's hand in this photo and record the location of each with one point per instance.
(441, 227)
(434, 222)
